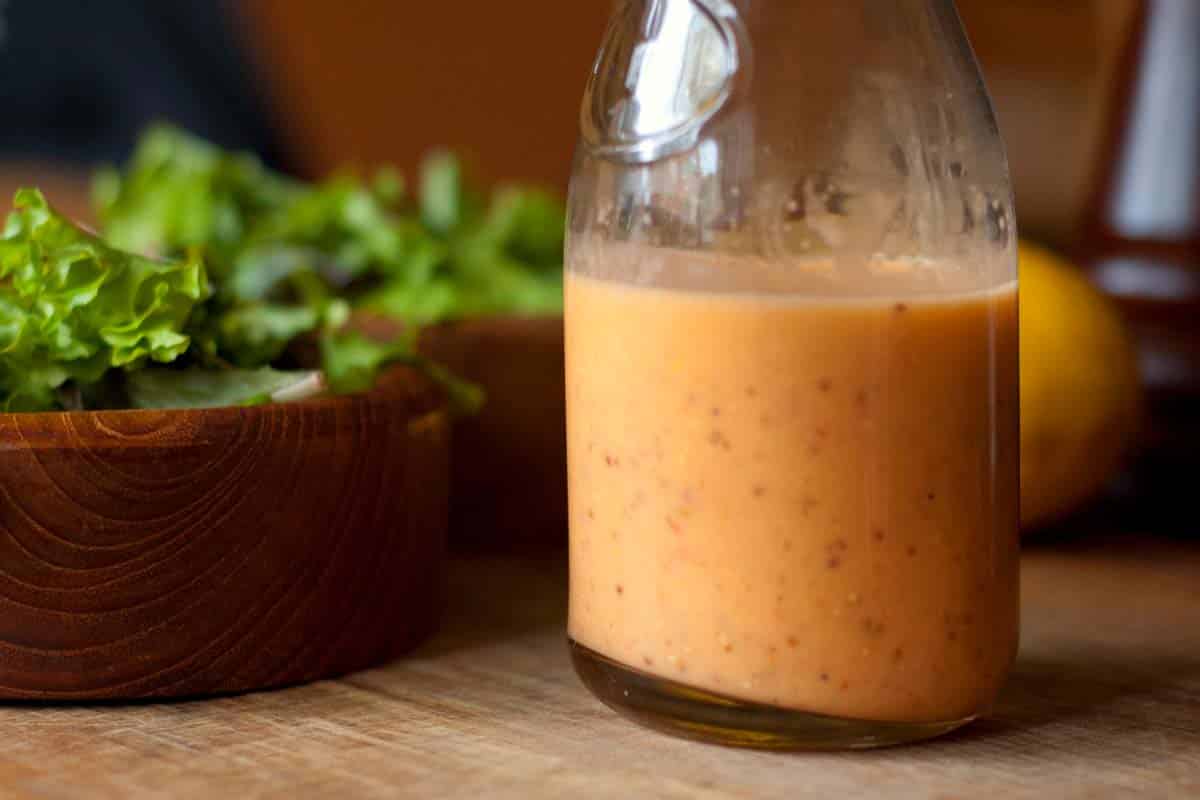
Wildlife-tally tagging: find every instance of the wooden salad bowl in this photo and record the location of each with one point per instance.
(153, 554)
(508, 487)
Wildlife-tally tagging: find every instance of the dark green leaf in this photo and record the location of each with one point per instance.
(352, 363)
(442, 199)
(422, 304)
(180, 191)
(527, 225)
(208, 388)
(258, 334)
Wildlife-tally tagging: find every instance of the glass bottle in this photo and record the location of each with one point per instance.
(791, 341)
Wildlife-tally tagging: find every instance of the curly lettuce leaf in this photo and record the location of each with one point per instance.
(72, 307)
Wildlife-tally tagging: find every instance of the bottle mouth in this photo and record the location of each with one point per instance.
(665, 69)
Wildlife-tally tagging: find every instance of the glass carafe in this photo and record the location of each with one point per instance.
(791, 320)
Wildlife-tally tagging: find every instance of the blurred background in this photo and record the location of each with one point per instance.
(313, 86)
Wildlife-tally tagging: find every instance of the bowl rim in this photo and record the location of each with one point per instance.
(418, 394)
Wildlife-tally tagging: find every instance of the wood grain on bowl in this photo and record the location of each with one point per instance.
(180, 553)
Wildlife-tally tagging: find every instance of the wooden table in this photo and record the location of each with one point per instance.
(1105, 702)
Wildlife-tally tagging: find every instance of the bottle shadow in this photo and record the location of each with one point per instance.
(1116, 696)
(1094, 706)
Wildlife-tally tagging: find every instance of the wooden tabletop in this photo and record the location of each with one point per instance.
(1105, 702)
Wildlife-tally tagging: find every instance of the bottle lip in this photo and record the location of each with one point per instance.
(625, 131)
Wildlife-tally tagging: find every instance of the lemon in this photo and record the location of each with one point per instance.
(1080, 395)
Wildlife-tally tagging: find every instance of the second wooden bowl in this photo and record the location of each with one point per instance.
(509, 469)
(181, 553)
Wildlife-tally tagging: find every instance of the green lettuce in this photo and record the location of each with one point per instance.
(342, 230)
(446, 254)
(180, 192)
(84, 325)
(502, 259)
(253, 335)
(72, 307)
(352, 361)
(217, 281)
(197, 387)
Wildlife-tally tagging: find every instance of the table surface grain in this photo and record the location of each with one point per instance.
(1105, 702)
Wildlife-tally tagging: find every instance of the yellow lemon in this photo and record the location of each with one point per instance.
(1080, 395)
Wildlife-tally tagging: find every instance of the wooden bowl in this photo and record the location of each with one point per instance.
(508, 488)
(180, 553)
(509, 468)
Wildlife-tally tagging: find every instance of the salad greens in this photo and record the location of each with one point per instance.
(210, 271)
(72, 307)
(444, 255)
(196, 388)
